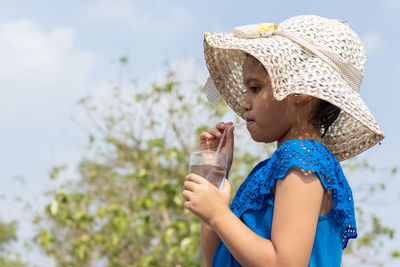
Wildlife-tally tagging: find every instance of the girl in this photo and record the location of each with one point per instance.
(295, 83)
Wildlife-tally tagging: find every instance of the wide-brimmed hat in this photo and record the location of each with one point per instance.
(308, 55)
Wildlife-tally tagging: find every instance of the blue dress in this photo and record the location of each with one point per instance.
(254, 202)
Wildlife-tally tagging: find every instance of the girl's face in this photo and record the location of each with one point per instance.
(268, 120)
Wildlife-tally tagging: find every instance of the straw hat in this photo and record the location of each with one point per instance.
(309, 55)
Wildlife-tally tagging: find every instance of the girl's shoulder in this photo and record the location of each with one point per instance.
(308, 155)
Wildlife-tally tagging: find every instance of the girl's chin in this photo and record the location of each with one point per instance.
(261, 138)
(256, 137)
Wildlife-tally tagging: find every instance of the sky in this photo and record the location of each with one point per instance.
(55, 52)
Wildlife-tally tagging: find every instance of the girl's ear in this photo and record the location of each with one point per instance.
(300, 99)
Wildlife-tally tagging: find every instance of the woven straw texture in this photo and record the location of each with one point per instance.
(295, 69)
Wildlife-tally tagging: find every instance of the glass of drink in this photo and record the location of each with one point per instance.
(210, 165)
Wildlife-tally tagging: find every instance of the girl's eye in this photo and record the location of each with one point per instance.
(254, 89)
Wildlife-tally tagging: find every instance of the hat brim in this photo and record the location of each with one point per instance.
(293, 69)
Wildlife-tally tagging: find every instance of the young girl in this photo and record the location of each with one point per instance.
(295, 83)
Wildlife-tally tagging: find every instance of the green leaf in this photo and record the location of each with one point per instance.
(395, 253)
(53, 208)
(185, 243)
(56, 171)
(394, 170)
(123, 60)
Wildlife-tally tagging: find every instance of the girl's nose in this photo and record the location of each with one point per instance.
(246, 104)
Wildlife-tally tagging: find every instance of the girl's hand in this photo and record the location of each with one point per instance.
(203, 199)
(210, 140)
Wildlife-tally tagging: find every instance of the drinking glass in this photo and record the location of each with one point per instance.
(210, 165)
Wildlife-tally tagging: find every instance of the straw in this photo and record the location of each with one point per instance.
(224, 133)
(222, 140)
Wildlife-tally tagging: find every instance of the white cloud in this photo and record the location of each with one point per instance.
(39, 70)
(373, 43)
(42, 75)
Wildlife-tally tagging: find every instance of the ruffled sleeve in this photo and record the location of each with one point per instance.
(308, 155)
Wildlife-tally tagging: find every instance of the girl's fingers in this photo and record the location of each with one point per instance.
(229, 135)
(194, 178)
(189, 185)
(208, 141)
(222, 125)
(187, 194)
(215, 132)
(219, 125)
(187, 205)
(205, 136)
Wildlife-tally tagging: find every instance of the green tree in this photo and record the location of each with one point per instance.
(8, 234)
(125, 207)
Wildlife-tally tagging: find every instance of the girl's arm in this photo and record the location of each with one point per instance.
(298, 199)
(208, 242)
(210, 140)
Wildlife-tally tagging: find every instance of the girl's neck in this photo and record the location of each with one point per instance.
(307, 132)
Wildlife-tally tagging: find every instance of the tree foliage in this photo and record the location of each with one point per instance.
(8, 234)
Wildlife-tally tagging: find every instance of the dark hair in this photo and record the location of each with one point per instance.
(325, 114)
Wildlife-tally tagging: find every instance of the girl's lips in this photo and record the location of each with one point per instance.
(249, 122)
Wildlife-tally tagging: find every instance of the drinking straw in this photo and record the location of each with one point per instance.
(224, 133)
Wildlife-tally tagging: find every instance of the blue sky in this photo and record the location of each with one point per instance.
(55, 52)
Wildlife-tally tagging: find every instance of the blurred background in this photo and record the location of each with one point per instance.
(100, 104)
